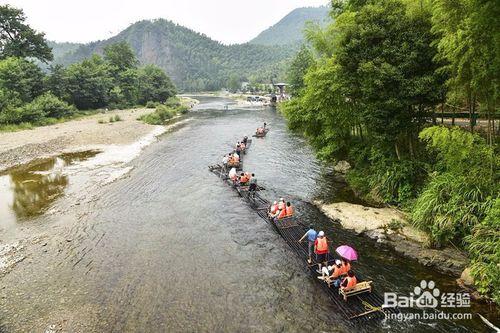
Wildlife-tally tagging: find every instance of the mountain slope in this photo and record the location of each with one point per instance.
(289, 30)
(194, 61)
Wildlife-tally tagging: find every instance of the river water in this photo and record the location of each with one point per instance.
(170, 248)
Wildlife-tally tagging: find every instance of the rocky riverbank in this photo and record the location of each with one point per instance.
(389, 226)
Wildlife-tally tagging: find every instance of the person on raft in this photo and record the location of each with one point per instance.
(311, 235)
(233, 175)
(245, 140)
(234, 159)
(238, 149)
(286, 212)
(321, 250)
(244, 178)
(348, 283)
(253, 185)
(225, 161)
(273, 209)
(333, 272)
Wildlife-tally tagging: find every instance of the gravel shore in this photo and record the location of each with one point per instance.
(75, 135)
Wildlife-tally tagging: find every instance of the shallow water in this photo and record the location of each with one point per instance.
(29, 190)
(171, 248)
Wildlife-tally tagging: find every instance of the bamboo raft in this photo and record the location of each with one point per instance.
(359, 308)
(261, 135)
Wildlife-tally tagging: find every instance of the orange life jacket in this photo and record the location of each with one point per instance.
(289, 211)
(322, 244)
(346, 268)
(282, 214)
(337, 271)
(351, 282)
(244, 179)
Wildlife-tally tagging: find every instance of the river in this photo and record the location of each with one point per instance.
(170, 248)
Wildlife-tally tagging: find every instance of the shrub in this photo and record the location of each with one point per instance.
(151, 105)
(52, 106)
(117, 118)
(484, 249)
(457, 197)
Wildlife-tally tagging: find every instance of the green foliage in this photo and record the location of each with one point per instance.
(21, 76)
(89, 83)
(17, 39)
(154, 85)
(38, 111)
(164, 112)
(298, 68)
(120, 56)
(151, 105)
(484, 248)
(469, 43)
(459, 192)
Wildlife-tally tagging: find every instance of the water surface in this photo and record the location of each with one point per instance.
(171, 248)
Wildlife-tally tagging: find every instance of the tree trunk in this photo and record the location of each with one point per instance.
(442, 113)
(397, 150)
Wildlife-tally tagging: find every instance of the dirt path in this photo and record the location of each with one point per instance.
(81, 134)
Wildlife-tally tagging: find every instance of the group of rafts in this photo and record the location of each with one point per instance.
(337, 274)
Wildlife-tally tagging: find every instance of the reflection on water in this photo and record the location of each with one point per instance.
(28, 190)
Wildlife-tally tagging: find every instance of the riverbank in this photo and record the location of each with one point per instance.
(389, 226)
(117, 127)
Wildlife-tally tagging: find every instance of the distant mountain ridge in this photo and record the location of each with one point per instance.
(289, 29)
(194, 61)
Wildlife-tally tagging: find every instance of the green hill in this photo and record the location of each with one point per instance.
(289, 30)
(193, 61)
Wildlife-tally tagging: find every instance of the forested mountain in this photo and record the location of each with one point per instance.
(289, 30)
(193, 60)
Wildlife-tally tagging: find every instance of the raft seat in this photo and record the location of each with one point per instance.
(359, 288)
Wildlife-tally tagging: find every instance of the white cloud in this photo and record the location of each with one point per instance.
(229, 21)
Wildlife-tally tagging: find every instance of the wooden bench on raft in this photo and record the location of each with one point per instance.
(359, 288)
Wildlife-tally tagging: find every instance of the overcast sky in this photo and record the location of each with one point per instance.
(228, 21)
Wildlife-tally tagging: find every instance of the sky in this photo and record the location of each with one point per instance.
(228, 21)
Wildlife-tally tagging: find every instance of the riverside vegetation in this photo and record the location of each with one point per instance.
(367, 88)
(28, 96)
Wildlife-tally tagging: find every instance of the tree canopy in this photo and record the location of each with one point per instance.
(17, 39)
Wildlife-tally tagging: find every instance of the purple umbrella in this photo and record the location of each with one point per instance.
(347, 252)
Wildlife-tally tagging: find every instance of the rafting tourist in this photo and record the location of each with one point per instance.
(245, 140)
(311, 235)
(225, 161)
(321, 250)
(253, 185)
(346, 266)
(233, 175)
(273, 209)
(286, 212)
(244, 179)
(238, 149)
(333, 272)
(348, 282)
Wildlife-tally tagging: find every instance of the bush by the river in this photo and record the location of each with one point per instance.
(171, 108)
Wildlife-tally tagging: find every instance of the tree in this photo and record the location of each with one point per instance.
(21, 76)
(89, 83)
(233, 83)
(17, 39)
(120, 56)
(298, 69)
(56, 82)
(154, 85)
(469, 43)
